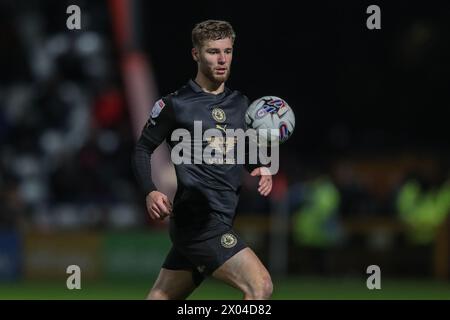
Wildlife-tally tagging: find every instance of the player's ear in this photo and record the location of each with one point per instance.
(195, 54)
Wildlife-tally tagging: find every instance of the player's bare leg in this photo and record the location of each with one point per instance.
(172, 285)
(246, 272)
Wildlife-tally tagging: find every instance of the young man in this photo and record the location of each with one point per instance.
(202, 214)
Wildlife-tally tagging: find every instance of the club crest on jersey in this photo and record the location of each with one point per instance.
(219, 115)
(228, 240)
(157, 107)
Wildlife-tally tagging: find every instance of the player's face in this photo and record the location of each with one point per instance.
(214, 59)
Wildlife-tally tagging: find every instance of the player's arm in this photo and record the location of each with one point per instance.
(158, 127)
(255, 170)
(265, 182)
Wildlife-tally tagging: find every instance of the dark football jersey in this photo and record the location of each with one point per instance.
(207, 193)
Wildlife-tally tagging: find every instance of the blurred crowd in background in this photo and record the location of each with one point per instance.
(66, 143)
(66, 138)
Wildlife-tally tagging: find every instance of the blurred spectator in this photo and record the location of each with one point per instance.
(315, 222)
(423, 206)
(66, 141)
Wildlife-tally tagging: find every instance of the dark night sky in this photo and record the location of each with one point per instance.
(350, 87)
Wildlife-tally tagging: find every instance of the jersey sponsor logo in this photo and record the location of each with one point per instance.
(219, 115)
(157, 107)
(224, 145)
(234, 146)
(228, 240)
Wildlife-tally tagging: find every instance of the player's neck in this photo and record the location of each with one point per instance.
(209, 86)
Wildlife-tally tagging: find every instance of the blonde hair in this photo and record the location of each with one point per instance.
(211, 30)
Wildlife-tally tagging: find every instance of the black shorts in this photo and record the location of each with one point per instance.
(203, 257)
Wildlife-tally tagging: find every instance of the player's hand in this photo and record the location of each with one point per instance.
(158, 205)
(265, 183)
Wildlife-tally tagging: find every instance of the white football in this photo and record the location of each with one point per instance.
(270, 112)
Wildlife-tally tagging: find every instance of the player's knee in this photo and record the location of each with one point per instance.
(158, 294)
(262, 289)
(267, 288)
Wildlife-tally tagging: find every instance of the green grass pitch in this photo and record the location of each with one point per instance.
(295, 288)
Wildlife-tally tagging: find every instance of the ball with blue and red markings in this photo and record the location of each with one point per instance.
(270, 112)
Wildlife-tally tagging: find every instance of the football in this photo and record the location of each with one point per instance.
(270, 112)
